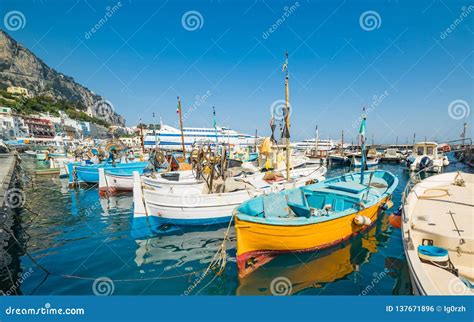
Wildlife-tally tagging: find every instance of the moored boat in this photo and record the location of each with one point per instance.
(196, 205)
(370, 163)
(426, 156)
(111, 182)
(437, 225)
(80, 173)
(310, 218)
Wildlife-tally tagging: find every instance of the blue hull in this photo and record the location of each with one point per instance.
(151, 225)
(90, 173)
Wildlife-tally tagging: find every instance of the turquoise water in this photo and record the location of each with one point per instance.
(76, 238)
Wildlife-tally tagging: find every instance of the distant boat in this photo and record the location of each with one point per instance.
(338, 159)
(391, 155)
(438, 234)
(426, 156)
(370, 162)
(111, 182)
(310, 218)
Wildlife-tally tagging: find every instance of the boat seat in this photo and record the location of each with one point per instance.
(351, 187)
(275, 206)
(298, 203)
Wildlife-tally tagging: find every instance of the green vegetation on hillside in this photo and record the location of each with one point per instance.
(45, 104)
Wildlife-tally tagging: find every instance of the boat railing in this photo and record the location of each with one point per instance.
(414, 180)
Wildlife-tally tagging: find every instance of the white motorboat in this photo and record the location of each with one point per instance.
(438, 236)
(426, 156)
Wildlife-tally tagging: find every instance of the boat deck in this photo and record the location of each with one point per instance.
(443, 213)
(446, 211)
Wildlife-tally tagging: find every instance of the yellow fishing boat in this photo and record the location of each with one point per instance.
(310, 218)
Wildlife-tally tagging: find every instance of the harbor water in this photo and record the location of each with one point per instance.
(73, 242)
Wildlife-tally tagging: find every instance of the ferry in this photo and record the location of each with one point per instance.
(322, 145)
(169, 138)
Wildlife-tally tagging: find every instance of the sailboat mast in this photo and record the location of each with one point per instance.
(215, 127)
(317, 140)
(287, 120)
(181, 127)
(142, 140)
(342, 143)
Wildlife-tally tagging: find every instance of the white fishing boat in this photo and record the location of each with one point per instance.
(425, 155)
(370, 162)
(110, 182)
(391, 155)
(194, 205)
(438, 234)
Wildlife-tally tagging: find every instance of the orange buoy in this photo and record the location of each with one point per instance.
(395, 221)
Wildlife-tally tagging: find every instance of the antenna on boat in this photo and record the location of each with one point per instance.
(286, 133)
(362, 141)
(179, 111)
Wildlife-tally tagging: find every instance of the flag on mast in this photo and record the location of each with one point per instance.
(214, 115)
(178, 108)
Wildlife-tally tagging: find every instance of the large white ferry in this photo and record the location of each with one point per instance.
(323, 145)
(168, 137)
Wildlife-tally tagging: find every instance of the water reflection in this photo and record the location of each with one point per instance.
(311, 270)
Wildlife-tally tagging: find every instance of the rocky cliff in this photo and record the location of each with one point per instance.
(20, 67)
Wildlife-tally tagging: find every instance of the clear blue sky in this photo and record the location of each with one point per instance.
(143, 57)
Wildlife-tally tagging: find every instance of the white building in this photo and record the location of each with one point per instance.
(11, 126)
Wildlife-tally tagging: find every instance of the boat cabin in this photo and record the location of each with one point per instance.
(426, 148)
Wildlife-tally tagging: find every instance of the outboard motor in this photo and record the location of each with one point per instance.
(424, 162)
(410, 160)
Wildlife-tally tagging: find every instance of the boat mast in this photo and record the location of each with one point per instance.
(215, 126)
(256, 138)
(141, 136)
(154, 130)
(181, 127)
(342, 143)
(463, 135)
(317, 140)
(362, 141)
(287, 119)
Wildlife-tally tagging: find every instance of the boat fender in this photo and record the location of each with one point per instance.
(327, 208)
(395, 220)
(362, 220)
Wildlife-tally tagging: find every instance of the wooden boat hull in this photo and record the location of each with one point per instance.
(257, 243)
(110, 183)
(187, 205)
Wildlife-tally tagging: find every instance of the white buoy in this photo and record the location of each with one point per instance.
(362, 220)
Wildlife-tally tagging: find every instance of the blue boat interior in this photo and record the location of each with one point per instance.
(326, 200)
